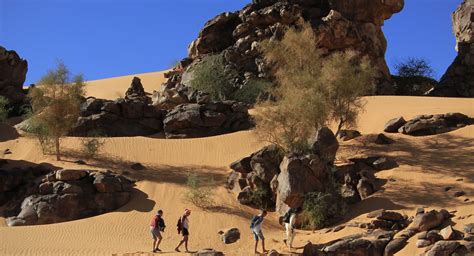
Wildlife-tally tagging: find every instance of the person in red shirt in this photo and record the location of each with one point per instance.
(157, 225)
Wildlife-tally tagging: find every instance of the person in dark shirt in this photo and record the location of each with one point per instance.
(157, 225)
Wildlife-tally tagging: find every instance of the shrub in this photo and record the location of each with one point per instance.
(413, 67)
(199, 192)
(252, 91)
(3, 108)
(210, 76)
(40, 131)
(261, 198)
(92, 144)
(322, 209)
(311, 89)
(56, 104)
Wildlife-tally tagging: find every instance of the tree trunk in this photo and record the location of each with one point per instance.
(58, 154)
(339, 127)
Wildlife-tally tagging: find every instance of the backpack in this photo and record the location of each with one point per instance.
(179, 226)
(254, 220)
(160, 223)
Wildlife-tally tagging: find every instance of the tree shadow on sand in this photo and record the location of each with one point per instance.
(156, 173)
(447, 155)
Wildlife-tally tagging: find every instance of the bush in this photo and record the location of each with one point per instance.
(252, 91)
(261, 198)
(311, 90)
(210, 76)
(322, 209)
(55, 105)
(92, 144)
(413, 67)
(3, 108)
(199, 192)
(40, 131)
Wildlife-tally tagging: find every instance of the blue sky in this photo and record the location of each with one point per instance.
(107, 38)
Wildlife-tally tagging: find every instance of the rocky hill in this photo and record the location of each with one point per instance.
(458, 81)
(12, 75)
(338, 24)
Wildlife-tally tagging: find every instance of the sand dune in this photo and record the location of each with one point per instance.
(113, 88)
(427, 164)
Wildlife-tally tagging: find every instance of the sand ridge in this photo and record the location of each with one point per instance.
(427, 164)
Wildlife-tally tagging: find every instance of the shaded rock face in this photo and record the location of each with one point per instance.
(338, 24)
(136, 91)
(12, 76)
(458, 81)
(66, 195)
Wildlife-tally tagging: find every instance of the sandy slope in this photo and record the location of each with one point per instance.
(113, 88)
(427, 164)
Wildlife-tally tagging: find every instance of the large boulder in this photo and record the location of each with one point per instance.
(299, 175)
(230, 236)
(429, 220)
(265, 163)
(434, 124)
(442, 248)
(325, 145)
(136, 91)
(12, 76)
(458, 81)
(66, 195)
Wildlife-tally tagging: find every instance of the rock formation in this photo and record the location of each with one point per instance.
(338, 24)
(423, 125)
(66, 195)
(12, 76)
(458, 81)
(179, 113)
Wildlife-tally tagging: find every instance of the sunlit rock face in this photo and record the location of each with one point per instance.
(338, 24)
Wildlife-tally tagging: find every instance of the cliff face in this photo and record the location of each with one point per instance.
(458, 81)
(338, 24)
(12, 75)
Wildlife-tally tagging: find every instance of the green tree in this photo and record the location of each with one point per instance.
(312, 89)
(56, 104)
(414, 67)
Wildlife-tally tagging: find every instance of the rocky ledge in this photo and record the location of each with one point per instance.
(12, 76)
(423, 125)
(61, 195)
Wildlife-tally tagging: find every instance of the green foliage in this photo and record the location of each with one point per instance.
(322, 209)
(56, 104)
(211, 76)
(3, 108)
(199, 191)
(260, 198)
(40, 131)
(312, 89)
(92, 144)
(252, 91)
(413, 67)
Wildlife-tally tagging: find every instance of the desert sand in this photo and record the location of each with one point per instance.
(427, 164)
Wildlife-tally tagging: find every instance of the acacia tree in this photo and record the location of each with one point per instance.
(414, 67)
(313, 88)
(345, 79)
(56, 103)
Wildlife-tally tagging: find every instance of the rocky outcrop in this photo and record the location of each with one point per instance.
(196, 120)
(179, 113)
(230, 236)
(66, 195)
(458, 81)
(12, 76)
(338, 24)
(423, 125)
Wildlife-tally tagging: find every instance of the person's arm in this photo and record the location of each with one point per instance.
(258, 221)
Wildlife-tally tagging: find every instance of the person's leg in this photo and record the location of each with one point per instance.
(179, 245)
(263, 241)
(292, 237)
(186, 243)
(256, 245)
(154, 243)
(287, 234)
(158, 243)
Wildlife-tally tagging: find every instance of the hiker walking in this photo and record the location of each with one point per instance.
(289, 220)
(157, 225)
(183, 228)
(256, 227)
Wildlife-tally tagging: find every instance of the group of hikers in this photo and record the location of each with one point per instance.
(157, 226)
